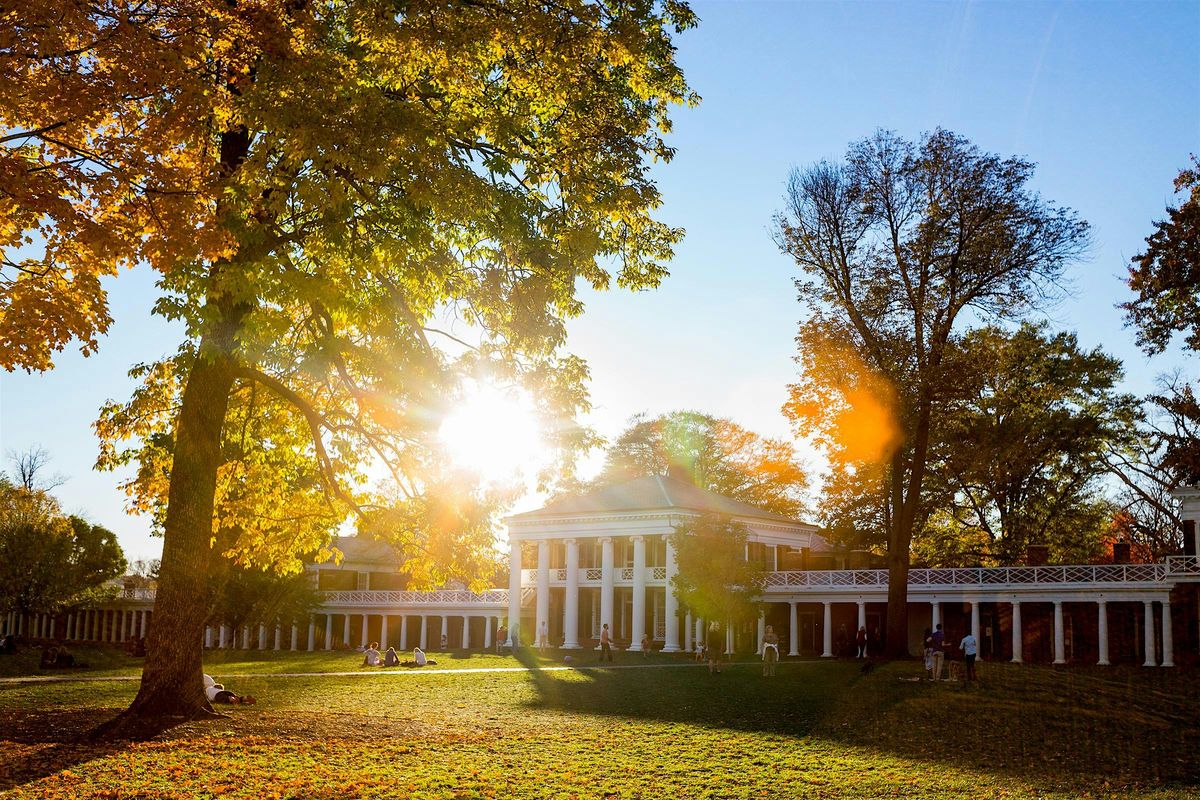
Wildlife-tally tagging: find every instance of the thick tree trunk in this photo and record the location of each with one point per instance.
(897, 610)
(172, 678)
(904, 521)
(172, 685)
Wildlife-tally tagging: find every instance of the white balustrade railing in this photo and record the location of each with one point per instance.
(381, 597)
(1183, 566)
(990, 576)
(1174, 568)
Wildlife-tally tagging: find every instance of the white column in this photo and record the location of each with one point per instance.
(424, 640)
(208, 637)
(262, 636)
(1148, 634)
(445, 631)
(222, 637)
(1017, 640)
(514, 583)
(487, 632)
(688, 630)
(639, 593)
(762, 631)
(278, 636)
(606, 584)
(543, 589)
(728, 637)
(571, 598)
(1168, 636)
(793, 631)
(672, 609)
(404, 631)
(862, 614)
(700, 633)
(145, 622)
(383, 632)
(975, 622)
(466, 642)
(245, 637)
(295, 645)
(346, 629)
(123, 625)
(70, 629)
(1060, 647)
(1102, 632)
(329, 631)
(312, 634)
(936, 608)
(828, 631)
(366, 619)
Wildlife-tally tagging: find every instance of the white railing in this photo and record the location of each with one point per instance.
(626, 574)
(1183, 566)
(658, 573)
(381, 597)
(988, 576)
(136, 594)
(593, 574)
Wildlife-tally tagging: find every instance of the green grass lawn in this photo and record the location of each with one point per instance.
(112, 662)
(818, 729)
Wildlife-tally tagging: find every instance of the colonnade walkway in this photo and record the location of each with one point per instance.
(814, 601)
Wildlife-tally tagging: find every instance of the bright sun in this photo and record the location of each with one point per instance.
(495, 433)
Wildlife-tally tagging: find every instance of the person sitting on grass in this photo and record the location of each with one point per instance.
(217, 693)
(419, 659)
(49, 656)
(390, 658)
(371, 655)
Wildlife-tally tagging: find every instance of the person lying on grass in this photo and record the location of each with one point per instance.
(219, 694)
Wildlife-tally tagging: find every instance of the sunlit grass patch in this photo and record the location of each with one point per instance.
(819, 729)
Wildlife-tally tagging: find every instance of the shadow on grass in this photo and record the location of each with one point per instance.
(1099, 727)
(42, 743)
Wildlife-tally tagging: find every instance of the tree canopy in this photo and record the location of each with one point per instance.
(48, 560)
(1165, 277)
(352, 207)
(713, 577)
(716, 453)
(897, 247)
(1023, 445)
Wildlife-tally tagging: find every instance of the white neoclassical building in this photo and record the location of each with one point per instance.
(605, 557)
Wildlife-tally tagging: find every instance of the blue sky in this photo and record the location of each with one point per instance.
(1104, 96)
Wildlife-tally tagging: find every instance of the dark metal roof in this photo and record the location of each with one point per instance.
(652, 493)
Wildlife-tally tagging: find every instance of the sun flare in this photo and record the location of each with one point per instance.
(495, 432)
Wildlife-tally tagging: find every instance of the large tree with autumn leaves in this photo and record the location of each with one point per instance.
(899, 247)
(331, 193)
